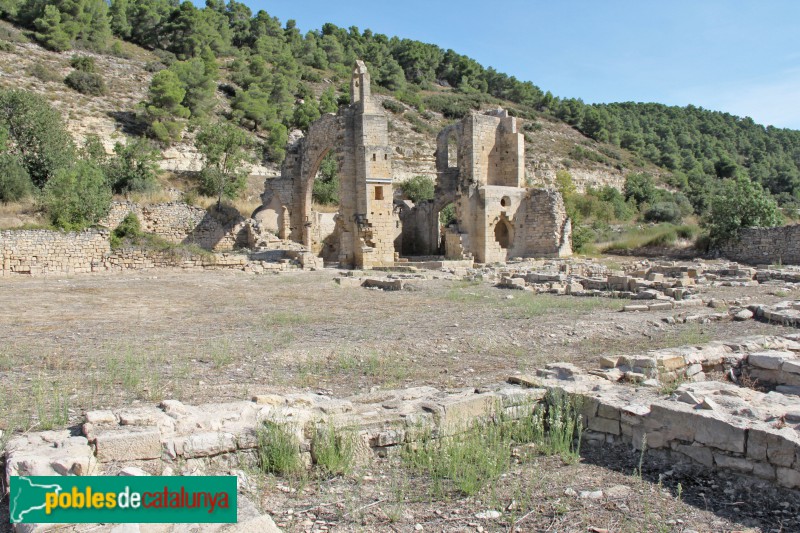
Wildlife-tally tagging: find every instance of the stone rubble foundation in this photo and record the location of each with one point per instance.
(711, 425)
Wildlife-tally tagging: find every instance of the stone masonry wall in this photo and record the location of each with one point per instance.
(182, 223)
(710, 425)
(41, 252)
(766, 246)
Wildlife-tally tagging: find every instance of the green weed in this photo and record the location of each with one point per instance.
(333, 449)
(278, 449)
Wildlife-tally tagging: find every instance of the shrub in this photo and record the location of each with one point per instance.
(77, 197)
(741, 203)
(37, 134)
(582, 237)
(86, 83)
(44, 73)
(418, 124)
(134, 167)
(154, 66)
(663, 212)
(455, 106)
(166, 131)
(83, 63)
(129, 229)
(15, 183)
(418, 189)
(447, 215)
(640, 188)
(393, 106)
(412, 99)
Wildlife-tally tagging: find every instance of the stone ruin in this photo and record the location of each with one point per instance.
(479, 169)
(701, 425)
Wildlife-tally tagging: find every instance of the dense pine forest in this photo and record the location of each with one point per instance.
(271, 67)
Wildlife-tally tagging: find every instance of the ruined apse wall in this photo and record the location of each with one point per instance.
(498, 217)
(765, 246)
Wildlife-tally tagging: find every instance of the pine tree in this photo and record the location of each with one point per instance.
(50, 32)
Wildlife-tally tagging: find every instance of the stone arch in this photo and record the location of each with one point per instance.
(322, 138)
(503, 232)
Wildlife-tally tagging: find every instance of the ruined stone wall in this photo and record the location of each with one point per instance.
(182, 223)
(176, 436)
(420, 229)
(47, 252)
(42, 252)
(542, 228)
(494, 151)
(765, 246)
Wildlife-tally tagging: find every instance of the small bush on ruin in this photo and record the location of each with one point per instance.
(130, 230)
(278, 449)
(418, 189)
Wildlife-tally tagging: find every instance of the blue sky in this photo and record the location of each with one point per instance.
(729, 55)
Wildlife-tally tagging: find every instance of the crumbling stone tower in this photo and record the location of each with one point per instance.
(358, 136)
(498, 217)
(366, 141)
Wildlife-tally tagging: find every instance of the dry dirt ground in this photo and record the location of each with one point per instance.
(72, 344)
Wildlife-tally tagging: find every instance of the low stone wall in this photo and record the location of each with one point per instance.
(182, 223)
(709, 424)
(42, 252)
(47, 252)
(765, 246)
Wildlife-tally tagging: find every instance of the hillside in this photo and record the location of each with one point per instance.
(550, 143)
(169, 68)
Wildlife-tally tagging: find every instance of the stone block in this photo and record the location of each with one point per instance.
(101, 417)
(792, 367)
(769, 359)
(607, 411)
(460, 413)
(128, 443)
(776, 445)
(720, 434)
(736, 464)
(697, 453)
(608, 361)
(787, 477)
(671, 362)
(604, 425)
(764, 471)
(694, 369)
(208, 444)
